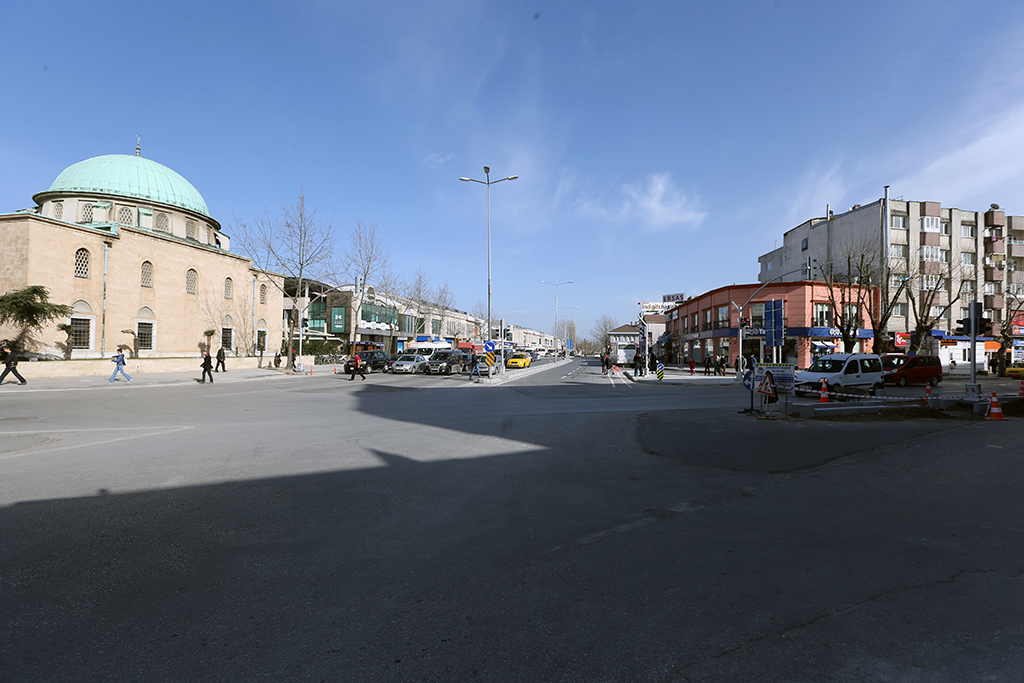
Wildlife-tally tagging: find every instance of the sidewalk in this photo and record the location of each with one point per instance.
(11, 386)
(675, 375)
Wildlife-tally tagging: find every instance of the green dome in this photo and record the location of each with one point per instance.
(125, 175)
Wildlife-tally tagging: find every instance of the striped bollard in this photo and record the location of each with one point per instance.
(661, 372)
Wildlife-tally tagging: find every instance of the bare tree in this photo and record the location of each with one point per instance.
(602, 330)
(1014, 301)
(364, 262)
(444, 302)
(927, 285)
(419, 292)
(295, 243)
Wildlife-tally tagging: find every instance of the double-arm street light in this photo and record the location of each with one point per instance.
(488, 183)
(554, 332)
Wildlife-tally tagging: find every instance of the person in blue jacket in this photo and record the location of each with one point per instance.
(119, 359)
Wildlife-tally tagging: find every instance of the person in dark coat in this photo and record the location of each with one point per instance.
(11, 366)
(221, 357)
(638, 364)
(707, 365)
(207, 367)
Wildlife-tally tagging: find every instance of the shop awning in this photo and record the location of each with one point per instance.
(822, 345)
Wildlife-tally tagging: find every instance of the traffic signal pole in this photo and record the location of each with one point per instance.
(973, 389)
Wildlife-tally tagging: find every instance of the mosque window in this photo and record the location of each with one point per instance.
(147, 274)
(58, 210)
(162, 222)
(82, 263)
(263, 294)
(227, 288)
(190, 228)
(86, 212)
(125, 215)
(192, 281)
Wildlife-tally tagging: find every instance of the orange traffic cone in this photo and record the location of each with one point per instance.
(1020, 392)
(824, 391)
(928, 393)
(995, 411)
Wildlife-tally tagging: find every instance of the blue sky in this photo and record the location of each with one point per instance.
(661, 147)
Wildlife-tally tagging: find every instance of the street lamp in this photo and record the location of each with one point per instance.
(488, 183)
(568, 316)
(554, 332)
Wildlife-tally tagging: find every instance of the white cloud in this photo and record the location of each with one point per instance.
(817, 189)
(659, 205)
(437, 159)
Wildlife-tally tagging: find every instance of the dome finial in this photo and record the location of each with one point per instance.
(138, 145)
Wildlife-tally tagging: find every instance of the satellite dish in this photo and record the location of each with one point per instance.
(994, 207)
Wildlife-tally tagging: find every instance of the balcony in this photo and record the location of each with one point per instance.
(995, 245)
(1016, 249)
(994, 301)
(993, 274)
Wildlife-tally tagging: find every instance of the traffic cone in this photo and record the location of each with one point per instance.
(824, 391)
(1020, 392)
(928, 393)
(995, 411)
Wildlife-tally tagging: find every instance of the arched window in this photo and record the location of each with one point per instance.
(226, 320)
(125, 215)
(82, 262)
(58, 210)
(190, 228)
(147, 274)
(86, 210)
(162, 223)
(192, 281)
(82, 321)
(227, 288)
(263, 294)
(144, 329)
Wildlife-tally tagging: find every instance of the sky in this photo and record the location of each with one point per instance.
(661, 147)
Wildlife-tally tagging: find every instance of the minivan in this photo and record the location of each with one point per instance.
(902, 369)
(841, 370)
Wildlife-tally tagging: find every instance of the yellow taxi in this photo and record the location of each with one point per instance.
(1016, 370)
(518, 360)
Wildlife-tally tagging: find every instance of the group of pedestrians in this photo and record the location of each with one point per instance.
(713, 365)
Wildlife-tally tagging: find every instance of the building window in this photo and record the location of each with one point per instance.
(823, 315)
(80, 332)
(757, 315)
(227, 288)
(162, 223)
(967, 230)
(768, 266)
(944, 228)
(82, 263)
(851, 316)
(723, 317)
(263, 294)
(192, 281)
(803, 244)
(227, 335)
(930, 224)
(936, 254)
(144, 332)
(900, 310)
(967, 287)
(58, 210)
(897, 222)
(993, 288)
(937, 311)
(147, 274)
(899, 250)
(190, 228)
(968, 258)
(932, 282)
(86, 210)
(125, 215)
(435, 327)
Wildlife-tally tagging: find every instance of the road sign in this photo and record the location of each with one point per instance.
(488, 346)
(489, 358)
(774, 323)
(661, 372)
(783, 376)
(748, 380)
(767, 386)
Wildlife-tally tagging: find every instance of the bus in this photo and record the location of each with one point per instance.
(623, 353)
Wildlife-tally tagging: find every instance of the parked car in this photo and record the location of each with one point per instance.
(409, 364)
(446, 362)
(373, 360)
(862, 371)
(518, 360)
(902, 369)
(1016, 370)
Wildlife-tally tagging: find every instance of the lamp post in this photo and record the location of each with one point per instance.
(488, 183)
(569, 317)
(554, 332)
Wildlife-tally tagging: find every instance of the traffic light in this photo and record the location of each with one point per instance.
(963, 328)
(985, 327)
(744, 322)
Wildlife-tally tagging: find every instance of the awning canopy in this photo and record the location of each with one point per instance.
(823, 345)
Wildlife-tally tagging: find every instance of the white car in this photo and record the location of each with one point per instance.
(841, 370)
(409, 364)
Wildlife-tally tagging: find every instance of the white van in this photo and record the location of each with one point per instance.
(841, 370)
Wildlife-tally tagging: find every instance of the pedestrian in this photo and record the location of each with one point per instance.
(723, 362)
(11, 366)
(653, 364)
(277, 359)
(207, 366)
(993, 364)
(475, 361)
(119, 359)
(638, 364)
(357, 365)
(693, 367)
(221, 356)
(606, 362)
(707, 365)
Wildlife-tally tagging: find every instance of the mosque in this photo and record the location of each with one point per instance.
(131, 246)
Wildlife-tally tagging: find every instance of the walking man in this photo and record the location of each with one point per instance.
(119, 359)
(221, 356)
(358, 366)
(207, 366)
(476, 361)
(11, 366)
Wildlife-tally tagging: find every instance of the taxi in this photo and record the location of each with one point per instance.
(1016, 370)
(518, 360)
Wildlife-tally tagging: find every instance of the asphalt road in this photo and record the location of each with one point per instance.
(567, 526)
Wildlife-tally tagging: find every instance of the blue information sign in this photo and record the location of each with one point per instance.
(774, 323)
(489, 346)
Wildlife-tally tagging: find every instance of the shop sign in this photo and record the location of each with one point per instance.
(902, 338)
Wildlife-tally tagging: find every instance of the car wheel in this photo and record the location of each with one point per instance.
(902, 381)
(934, 381)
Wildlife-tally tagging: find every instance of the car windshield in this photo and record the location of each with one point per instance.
(407, 359)
(441, 355)
(893, 362)
(828, 365)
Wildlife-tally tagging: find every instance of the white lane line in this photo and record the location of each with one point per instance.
(35, 451)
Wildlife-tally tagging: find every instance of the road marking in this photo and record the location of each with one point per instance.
(43, 432)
